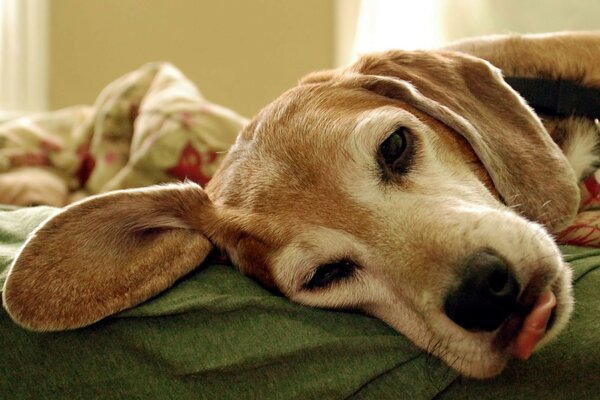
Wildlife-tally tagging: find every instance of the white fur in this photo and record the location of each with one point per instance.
(581, 147)
(295, 264)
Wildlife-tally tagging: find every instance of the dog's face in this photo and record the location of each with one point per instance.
(365, 202)
(357, 190)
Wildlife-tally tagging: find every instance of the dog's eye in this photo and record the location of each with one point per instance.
(327, 274)
(396, 152)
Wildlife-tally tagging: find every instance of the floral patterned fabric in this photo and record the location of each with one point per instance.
(149, 126)
(585, 229)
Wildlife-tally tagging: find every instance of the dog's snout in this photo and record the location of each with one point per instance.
(486, 295)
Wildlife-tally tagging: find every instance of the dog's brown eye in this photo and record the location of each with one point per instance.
(396, 152)
(327, 274)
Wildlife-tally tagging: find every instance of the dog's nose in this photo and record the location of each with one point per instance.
(486, 295)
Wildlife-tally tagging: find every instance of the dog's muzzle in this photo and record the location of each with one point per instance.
(487, 299)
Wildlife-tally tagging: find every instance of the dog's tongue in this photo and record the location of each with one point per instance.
(534, 326)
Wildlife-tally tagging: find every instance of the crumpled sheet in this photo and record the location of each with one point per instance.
(150, 126)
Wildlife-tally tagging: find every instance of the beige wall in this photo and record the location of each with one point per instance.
(346, 17)
(240, 53)
(463, 18)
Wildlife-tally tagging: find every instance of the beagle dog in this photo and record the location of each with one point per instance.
(414, 186)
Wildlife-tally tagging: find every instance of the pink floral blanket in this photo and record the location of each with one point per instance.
(149, 126)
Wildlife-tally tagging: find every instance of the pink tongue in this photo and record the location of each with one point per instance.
(534, 326)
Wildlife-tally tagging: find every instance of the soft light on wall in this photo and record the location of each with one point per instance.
(389, 24)
(23, 55)
(426, 24)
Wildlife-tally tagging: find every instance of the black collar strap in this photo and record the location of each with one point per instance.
(560, 98)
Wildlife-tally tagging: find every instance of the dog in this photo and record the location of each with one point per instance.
(408, 186)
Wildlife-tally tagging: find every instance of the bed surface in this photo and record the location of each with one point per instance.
(218, 335)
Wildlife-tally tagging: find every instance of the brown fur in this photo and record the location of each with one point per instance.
(106, 254)
(565, 55)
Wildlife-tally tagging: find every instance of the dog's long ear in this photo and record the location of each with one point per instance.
(108, 253)
(469, 95)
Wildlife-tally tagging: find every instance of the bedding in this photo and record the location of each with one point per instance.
(219, 335)
(149, 126)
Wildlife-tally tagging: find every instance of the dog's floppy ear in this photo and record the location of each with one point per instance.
(469, 95)
(108, 253)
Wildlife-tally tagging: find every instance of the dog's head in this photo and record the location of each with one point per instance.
(411, 186)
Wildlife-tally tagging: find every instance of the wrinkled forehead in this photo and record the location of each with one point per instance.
(309, 158)
(312, 132)
(291, 160)
(308, 118)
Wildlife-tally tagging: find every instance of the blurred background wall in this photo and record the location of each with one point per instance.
(240, 53)
(385, 24)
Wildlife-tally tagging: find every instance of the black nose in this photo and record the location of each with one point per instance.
(486, 295)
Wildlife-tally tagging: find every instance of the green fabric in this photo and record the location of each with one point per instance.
(218, 335)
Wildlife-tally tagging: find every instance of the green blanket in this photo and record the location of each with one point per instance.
(218, 335)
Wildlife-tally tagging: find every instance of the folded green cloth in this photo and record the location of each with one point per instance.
(218, 335)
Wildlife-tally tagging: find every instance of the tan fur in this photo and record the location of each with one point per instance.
(106, 254)
(302, 187)
(565, 55)
(32, 186)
